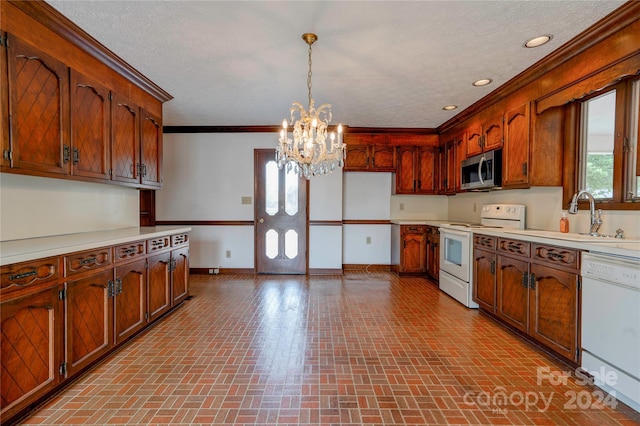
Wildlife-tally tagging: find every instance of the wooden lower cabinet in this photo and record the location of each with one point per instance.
(484, 272)
(159, 288)
(31, 343)
(411, 249)
(180, 275)
(553, 309)
(433, 252)
(89, 320)
(512, 291)
(534, 288)
(130, 299)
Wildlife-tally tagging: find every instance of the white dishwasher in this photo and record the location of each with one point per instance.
(611, 324)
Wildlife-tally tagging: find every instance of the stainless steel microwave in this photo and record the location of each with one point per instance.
(482, 171)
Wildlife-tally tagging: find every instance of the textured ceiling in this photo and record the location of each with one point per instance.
(380, 64)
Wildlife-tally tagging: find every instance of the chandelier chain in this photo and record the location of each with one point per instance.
(309, 75)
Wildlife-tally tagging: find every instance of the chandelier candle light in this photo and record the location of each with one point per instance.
(309, 153)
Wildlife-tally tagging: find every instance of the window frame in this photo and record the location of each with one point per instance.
(575, 157)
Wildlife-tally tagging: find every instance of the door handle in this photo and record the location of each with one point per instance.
(261, 221)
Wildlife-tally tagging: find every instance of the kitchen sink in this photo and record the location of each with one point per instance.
(583, 238)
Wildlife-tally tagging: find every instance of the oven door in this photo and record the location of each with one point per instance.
(455, 253)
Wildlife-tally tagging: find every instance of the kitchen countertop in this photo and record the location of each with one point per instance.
(430, 222)
(15, 251)
(613, 246)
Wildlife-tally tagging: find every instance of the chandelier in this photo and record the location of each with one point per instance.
(310, 153)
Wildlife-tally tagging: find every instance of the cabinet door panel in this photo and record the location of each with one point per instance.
(427, 176)
(30, 343)
(405, 175)
(484, 279)
(513, 302)
(516, 147)
(39, 109)
(130, 306)
(125, 140)
(151, 145)
(474, 139)
(554, 310)
(357, 158)
(89, 320)
(159, 285)
(414, 255)
(383, 158)
(180, 278)
(493, 134)
(90, 122)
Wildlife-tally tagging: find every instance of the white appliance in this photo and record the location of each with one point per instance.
(611, 324)
(456, 248)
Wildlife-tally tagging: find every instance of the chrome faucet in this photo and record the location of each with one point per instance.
(596, 217)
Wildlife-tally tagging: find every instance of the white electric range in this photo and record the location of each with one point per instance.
(456, 248)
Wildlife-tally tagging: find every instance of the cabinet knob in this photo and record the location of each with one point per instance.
(261, 220)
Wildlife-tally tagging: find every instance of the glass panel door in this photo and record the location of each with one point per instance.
(280, 217)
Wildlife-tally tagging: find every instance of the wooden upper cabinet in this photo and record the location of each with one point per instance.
(427, 172)
(484, 133)
(417, 170)
(515, 158)
(369, 152)
(90, 127)
(125, 140)
(357, 158)
(151, 149)
(474, 138)
(4, 110)
(383, 158)
(39, 109)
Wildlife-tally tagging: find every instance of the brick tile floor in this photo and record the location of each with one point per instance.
(358, 349)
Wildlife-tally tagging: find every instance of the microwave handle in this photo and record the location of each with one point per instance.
(482, 160)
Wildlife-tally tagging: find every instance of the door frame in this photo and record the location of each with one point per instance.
(256, 175)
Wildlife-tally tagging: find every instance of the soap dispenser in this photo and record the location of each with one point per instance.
(564, 223)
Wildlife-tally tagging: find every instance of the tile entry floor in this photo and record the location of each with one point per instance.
(364, 348)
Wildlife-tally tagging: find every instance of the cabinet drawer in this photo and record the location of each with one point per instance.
(485, 241)
(87, 260)
(552, 255)
(158, 244)
(180, 239)
(413, 229)
(27, 273)
(130, 251)
(519, 248)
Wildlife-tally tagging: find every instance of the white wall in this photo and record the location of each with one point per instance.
(207, 174)
(366, 197)
(37, 207)
(544, 208)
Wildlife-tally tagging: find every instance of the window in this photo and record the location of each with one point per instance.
(607, 157)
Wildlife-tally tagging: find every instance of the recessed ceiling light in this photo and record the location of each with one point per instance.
(450, 107)
(482, 82)
(538, 41)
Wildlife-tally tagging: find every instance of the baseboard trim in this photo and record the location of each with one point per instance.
(365, 267)
(321, 271)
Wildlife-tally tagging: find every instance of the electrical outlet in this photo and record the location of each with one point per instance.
(401, 206)
(368, 240)
(216, 271)
(210, 271)
(228, 254)
(246, 200)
